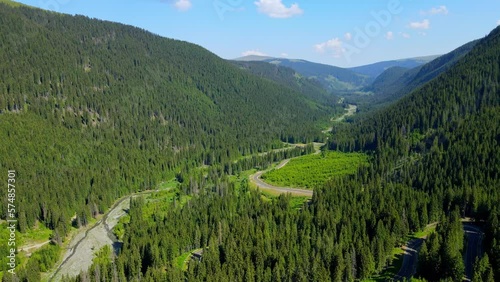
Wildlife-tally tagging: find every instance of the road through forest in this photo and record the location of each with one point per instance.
(31, 248)
(474, 237)
(410, 256)
(84, 245)
(256, 179)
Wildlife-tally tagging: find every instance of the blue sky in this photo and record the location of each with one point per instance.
(337, 32)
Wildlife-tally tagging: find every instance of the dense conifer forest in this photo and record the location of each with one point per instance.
(443, 139)
(436, 161)
(92, 110)
(309, 87)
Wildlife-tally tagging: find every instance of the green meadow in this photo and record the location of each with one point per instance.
(312, 170)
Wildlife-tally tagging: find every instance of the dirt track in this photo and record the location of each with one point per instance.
(30, 248)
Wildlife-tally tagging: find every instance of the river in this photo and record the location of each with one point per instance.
(82, 248)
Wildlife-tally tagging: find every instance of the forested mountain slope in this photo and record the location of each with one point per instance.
(444, 139)
(435, 158)
(390, 81)
(290, 78)
(91, 110)
(331, 77)
(395, 83)
(376, 69)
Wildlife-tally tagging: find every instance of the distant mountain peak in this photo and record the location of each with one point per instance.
(250, 58)
(376, 69)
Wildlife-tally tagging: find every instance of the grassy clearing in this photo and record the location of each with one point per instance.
(182, 261)
(162, 201)
(241, 177)
(313, 170)
(5, 248)
(298, 202)
(38, 234)
(388, 273)
(424, 233)
(172, 183)
(266, 198)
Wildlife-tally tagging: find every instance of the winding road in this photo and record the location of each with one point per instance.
(474, 237)
(256, 179)
(410, 259)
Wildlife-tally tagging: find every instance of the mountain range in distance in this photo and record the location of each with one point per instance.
(341, 79)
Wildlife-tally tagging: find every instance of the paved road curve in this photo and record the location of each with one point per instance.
(255, 178)
(410, 258)
(474, 237)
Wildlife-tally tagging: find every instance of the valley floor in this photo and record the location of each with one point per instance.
(83, 247)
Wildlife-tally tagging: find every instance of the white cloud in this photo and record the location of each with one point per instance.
(183, 5)
(425, 24)
(284, 55)
(389, 35)
(276, 9)
(441, 10)
(405, 35)
(253, 53)
(334, 46)
(348, 36)
(498, 22)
